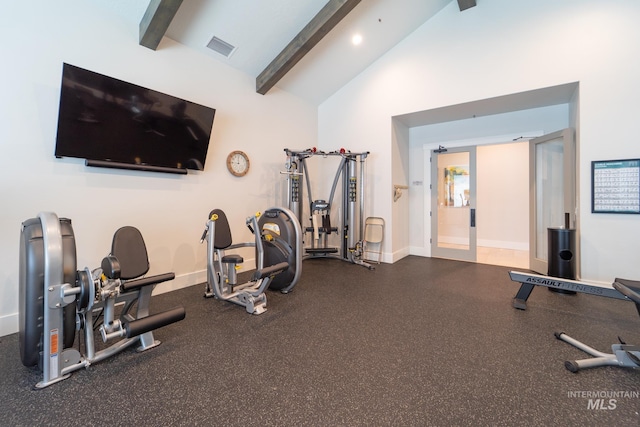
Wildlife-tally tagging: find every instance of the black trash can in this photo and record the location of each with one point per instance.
(562, 255)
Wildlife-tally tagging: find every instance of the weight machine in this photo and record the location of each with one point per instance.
(277, 242)
(56, 300)
(351, 225)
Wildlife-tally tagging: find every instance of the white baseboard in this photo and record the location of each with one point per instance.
(420, 251)
(486, 243)
(503, 244)
(181, 281)
(9, 324)
(398, 255)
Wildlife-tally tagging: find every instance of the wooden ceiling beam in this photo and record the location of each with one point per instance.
(156, 20)
(466, 4)
(311, 34)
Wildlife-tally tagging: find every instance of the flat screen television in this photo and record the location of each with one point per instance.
(112, 123)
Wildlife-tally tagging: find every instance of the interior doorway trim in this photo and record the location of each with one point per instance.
(427, 147)
(486, 140)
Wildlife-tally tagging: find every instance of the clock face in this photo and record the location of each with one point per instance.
(238, 163)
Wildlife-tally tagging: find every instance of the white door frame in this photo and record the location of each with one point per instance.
(427, 147)
(567, 198)
(464, 214)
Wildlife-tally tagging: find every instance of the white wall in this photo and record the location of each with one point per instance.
(502, 218)
(37, 37)
(479, 131)
(497, 48)
(401, 168)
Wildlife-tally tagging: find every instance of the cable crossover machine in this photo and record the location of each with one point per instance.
(319, 226)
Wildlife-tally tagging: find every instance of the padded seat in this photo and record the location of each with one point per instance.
(232, 259)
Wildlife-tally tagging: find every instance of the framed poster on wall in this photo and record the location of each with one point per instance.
(615, 186)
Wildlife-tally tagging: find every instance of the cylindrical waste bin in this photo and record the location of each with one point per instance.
(562, 255)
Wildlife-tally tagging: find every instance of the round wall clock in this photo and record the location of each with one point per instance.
(238, 163)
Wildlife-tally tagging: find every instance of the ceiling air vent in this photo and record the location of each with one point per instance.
(221, 46)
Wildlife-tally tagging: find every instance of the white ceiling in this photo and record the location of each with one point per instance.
(261, 29)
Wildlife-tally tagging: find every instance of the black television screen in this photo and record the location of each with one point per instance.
(119, 124)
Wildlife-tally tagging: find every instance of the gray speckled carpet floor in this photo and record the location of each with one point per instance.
(422, 342)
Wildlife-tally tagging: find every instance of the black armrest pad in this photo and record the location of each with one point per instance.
(131, 285)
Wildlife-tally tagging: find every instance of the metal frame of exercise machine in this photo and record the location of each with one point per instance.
(528, 281)
(70, 298)
(320, 226)
(622, 355)
(270, 245)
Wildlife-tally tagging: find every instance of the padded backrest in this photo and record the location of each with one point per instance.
(128, 246)
(222, 238)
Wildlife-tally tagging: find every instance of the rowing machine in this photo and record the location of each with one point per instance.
(530, 280)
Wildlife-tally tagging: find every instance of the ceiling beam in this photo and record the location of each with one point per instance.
(315, 30)
(466, 4)
(156, 20)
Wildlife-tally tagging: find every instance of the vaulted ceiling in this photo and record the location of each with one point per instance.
(304, 47)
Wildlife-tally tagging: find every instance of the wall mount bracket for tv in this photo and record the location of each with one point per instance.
(146, 168)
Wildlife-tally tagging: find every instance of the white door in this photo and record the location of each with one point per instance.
(453, 204)
(552, 195)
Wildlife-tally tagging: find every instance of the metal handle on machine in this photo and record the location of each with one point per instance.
(155, 321)
(270, 271)
(473, 217)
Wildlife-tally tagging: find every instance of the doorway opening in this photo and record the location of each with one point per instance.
(473, 123)
(480, 204)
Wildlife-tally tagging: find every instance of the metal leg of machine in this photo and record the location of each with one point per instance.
(622, 355)
(530, 280)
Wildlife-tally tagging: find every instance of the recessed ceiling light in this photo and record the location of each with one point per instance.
(356, 39)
